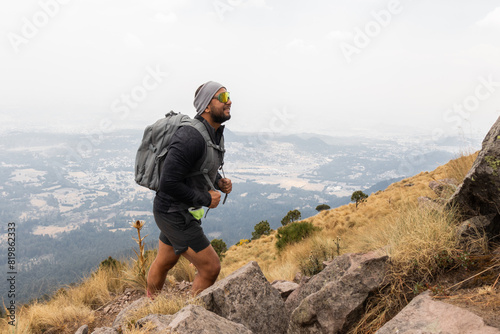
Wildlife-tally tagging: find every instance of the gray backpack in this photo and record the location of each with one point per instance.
(154, 147)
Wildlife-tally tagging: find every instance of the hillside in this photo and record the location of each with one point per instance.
(74, 196)
(344, 229)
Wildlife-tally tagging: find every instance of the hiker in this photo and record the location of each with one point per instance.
(178, 203)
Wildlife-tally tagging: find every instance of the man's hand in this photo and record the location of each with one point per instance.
(215, 198)
(225, 185)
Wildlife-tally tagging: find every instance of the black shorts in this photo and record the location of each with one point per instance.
(181, 231)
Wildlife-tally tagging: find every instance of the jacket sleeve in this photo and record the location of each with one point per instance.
(186, 148)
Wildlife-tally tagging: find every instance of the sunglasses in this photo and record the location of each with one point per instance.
(222, 97)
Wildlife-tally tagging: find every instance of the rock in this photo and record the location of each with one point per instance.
(426, 315)
(192, 319)
(425, 202)
(301, 278)
(471, 231)
(334, 299)
(479, 193)
(105, 330)
(83, 330)
(121, 318)
(444, 187)
(285, 288)
(246, 297)
(155, 323)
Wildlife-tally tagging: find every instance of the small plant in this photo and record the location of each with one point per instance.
(312, 265)
(262, 228)
(220, 247)
(110, 263)
(419, 288)
(337, 243)
(140, 263)
(242, 242)
(294, 232)
(464, 260)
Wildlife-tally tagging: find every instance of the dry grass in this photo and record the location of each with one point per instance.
(69, 306)
(459, 167)
(183, 271)
(163, 304)
(389, 218)
(262, 250)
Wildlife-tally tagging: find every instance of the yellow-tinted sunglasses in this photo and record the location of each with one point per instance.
(222, 97)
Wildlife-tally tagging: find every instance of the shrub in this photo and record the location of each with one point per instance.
(220, 247)
(110, 263)
(294, 232)
(322, 207)
(358, 196)
(290, 217)
(262, 228)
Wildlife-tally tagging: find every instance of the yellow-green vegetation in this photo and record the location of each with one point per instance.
(242, 242)
(493, 162)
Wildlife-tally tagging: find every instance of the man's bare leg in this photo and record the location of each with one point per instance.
(208, 265)
(164, 261)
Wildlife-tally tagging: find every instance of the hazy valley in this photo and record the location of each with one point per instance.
(73, 196)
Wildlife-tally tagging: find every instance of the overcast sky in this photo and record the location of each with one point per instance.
(332, 67)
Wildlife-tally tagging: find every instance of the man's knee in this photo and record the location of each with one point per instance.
(211, 271)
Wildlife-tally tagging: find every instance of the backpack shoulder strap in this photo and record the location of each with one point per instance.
(210, 154)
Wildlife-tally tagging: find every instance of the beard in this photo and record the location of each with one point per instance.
(220, 117)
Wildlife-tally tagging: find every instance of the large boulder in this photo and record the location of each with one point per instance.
(333, 300)
(191, 319)
(479, 193)
(426, 315)
(246, 297)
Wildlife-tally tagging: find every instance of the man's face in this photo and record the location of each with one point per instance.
(220, 112)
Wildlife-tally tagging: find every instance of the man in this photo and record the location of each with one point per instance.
(178, 202)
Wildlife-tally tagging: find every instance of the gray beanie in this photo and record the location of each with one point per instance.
(205, 95)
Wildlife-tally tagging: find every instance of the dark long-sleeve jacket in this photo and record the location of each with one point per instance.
(185, 154)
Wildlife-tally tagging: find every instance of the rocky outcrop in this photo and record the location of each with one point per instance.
(426, 315)
(191, 319)
(246, 297)
(479, 193)
(285, 288)
(333, 300)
